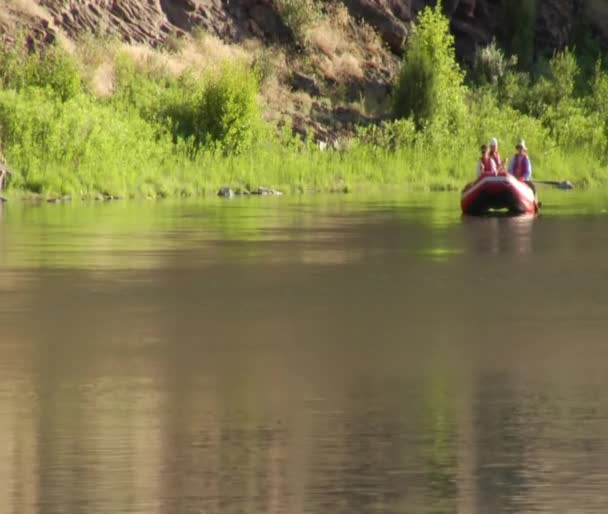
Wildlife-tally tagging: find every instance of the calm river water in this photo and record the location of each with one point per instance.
(303, 355)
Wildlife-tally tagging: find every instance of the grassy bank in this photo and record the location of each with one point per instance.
(102, 120)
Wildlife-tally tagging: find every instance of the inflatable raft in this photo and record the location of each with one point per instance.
(498, 192)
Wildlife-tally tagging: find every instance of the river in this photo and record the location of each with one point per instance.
(326, 355)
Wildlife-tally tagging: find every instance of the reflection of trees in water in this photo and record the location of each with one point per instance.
(500, 235)
(384, 449)
(224, 449)
(500, 444)
(355, 447)
(441, 462)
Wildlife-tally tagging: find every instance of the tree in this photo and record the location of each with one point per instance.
(430, 87)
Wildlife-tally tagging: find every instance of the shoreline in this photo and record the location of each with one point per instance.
(234, 193)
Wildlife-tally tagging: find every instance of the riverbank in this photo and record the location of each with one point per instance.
(157, 131)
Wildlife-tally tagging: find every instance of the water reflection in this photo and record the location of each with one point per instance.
(331, 360)
(501, 235)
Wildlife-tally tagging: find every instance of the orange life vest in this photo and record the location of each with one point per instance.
(486, 163)
(496, 158)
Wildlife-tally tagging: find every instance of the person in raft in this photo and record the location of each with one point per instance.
(486, 165)
(494, 155)
(521, 167)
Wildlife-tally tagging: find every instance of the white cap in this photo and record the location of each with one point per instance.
(494, 142)
(521, 143)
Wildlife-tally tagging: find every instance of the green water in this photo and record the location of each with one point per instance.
(303, 354)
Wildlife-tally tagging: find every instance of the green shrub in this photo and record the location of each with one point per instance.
(514, 90)
(299, 16)
(520, 19)
(219, 110)
(490, 65)
(429, 87)
(49, 68)
(77, 146)
(227, 110)
(564, 71)
(557, 87)
(599, 92)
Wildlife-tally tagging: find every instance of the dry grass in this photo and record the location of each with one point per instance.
(31, 9)
(103, 79)
(302, 102)
(28, 7)
(197, 55)
(341, 48)
(275, 99)
(98, 56)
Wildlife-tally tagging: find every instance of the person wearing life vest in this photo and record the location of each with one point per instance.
(494, 155)
(521, 167)
(486, 165)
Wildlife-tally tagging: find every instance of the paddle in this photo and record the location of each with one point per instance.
(564, 184)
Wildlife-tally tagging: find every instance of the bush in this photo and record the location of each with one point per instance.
(599, 92)
(77, 146)
(50, 68)
(389, 135)
(430, 84)
(221, 111)
(490, 65)
(228, 112)
(218, 110)
(299, 16)
(557, 87)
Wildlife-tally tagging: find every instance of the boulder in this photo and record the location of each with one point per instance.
(225, 192)
(390, 18)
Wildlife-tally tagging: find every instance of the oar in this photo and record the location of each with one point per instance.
(564, 184)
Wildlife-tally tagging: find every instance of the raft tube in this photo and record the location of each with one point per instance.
(498, 192)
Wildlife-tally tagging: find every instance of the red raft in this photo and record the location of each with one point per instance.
(498, 192)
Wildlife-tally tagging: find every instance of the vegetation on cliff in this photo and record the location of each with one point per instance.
(157, 124)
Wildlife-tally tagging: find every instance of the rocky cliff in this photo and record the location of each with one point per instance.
(474, 22)
(477, 22)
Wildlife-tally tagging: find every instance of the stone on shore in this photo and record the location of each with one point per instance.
(266, 191)
(225, 192)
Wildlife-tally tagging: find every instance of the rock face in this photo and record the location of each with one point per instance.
(150, 22)
(474, 22)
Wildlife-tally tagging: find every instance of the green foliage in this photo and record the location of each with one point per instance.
(520, 19)
(490, 66)
(227, 111)
(564, 71)
(78, 145)
(388, 135)
(219, 111)
(430, 84)
(50, 68)
(414, 93)
(597, 101)
(513, 90)
(299, 16)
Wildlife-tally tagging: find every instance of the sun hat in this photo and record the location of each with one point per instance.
(494, 142)
(521, 144)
